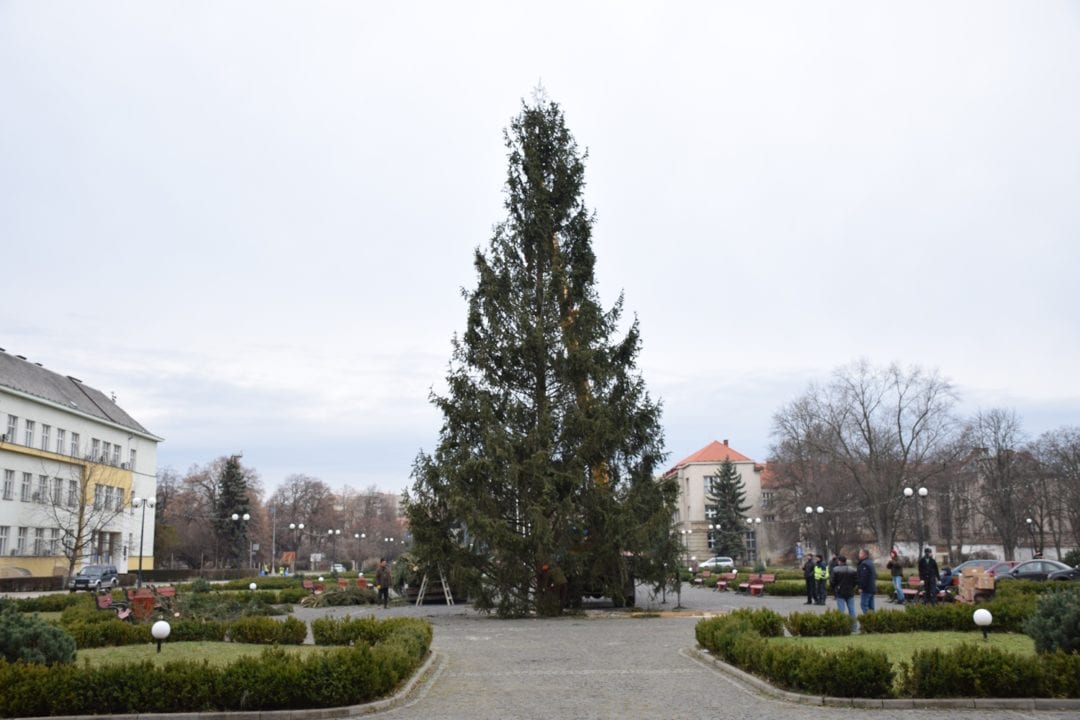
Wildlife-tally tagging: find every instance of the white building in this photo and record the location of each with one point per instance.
(694, 515)
(71, 464)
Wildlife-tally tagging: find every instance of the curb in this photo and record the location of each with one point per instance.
(767, 688)
(345, 711)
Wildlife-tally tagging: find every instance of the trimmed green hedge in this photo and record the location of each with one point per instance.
(365, 630)
(973, 670)
(274, 680)
(105, 630)
(265, 631)
(812, 624)
(1009, 613)
(852, 672)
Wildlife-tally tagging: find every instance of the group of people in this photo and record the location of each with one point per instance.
(842, 579)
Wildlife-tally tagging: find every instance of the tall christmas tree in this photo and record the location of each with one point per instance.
(542, 487)
(232, 500)
(728, 494)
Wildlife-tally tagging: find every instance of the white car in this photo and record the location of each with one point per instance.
(337, 567)
(720, 562)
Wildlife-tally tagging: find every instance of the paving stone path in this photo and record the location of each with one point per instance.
(605, 665)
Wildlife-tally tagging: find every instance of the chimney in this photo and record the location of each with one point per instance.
(725, 442)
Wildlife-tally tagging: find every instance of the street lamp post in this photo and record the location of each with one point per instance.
(141, 502)
(240, 518)
(817, 525)
(273, 541)
(1036, 548)
(333, 535)
(921, 493)
(359, 537)
(750, 523)
(298, 528)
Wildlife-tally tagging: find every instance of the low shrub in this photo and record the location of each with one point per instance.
(184, 629)
(1072, 557)
(265, 631)
(1009, 613)
(765, 622)
(53, 602)
(111, 632)
(1055, 624)
(30, 639)
(274, 680)
(786, 588)
(972, 670)
(811, 624)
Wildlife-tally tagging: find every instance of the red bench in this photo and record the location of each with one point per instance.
(105, 602)
(758, 588)
(723, 580)
(754, 579)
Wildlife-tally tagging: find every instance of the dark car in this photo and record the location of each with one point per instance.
(1039, 570)
(1070, 574)
(95, 577)
(989, 567)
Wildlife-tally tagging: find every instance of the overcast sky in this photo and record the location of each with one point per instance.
(252, 220)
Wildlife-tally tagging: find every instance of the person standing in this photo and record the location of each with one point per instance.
(382, 581)
(928, 573)
(808, 576)
(843, 585)
(866, 580)
(896, 568)
(821, 577)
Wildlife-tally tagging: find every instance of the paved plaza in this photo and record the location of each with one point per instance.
(603, 664)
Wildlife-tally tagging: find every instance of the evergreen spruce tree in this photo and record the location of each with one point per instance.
(728, 494)
(542, 489)
(232, 499)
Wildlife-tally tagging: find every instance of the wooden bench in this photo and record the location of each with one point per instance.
(309, 586)
(105, 602)
(700, 579)
(764, 579)
(342, 583)
(361, 582)
(914, 588)
(723, 580)
(754, 579)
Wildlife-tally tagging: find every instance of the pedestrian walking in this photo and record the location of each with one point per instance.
(382, 582)
(896, 569)
(928, 573)
(866, 580)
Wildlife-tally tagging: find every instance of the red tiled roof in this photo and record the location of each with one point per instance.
(714, 452)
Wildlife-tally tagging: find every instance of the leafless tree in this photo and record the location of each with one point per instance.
(1058, 453)
(83, 500)
(879, 430)
(1006, 475)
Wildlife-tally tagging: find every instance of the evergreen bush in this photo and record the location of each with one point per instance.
(266, 631)
(1055, 624)
(811, 624)
(30, 639)
(1072, 557)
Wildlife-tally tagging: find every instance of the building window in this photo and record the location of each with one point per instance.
(711, 511)
(29, 433)
(20, 542)
(131, 460)
(54, 541)
(751, 546)
(73, 493)
(766, 498)
(4, 530)
(12, 427)
(9, 485)
(108, 497)
(116, 455)
(39, 541)
(42, 489)
(105, 447)
(60, 447)
(98, 497)
(57, 491)
(46, 436)
(95, 449)
(74, 444)
(712, 539)
(27, 488)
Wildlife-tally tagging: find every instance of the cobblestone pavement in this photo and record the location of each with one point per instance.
(604, 664)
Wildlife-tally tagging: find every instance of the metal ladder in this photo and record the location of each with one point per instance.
(423, 589)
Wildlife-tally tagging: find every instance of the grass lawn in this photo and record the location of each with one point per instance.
(216, 653)
(902, 646)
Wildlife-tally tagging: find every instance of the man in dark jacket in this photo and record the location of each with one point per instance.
(382, 581)
(867, 581)
(843, 585)
(808, 575)
(928, 573)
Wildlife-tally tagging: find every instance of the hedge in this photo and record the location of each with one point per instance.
(1009, 613)
(273, 680)
(365, 630)
(973, 670)
(811, 624)
(105, 630)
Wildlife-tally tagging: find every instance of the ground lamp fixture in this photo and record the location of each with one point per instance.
(160, 630)
(983, 618)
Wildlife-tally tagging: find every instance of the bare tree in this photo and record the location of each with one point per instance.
(879, 430)
(83, 500)
(1058, 453)
(1005, 475)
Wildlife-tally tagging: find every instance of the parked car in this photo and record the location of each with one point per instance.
(717, 564)
(95, 577)
(993, 568)
(337, 568)
(1041, 570)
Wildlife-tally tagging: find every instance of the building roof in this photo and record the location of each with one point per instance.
(19, 374)
(715, 452)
